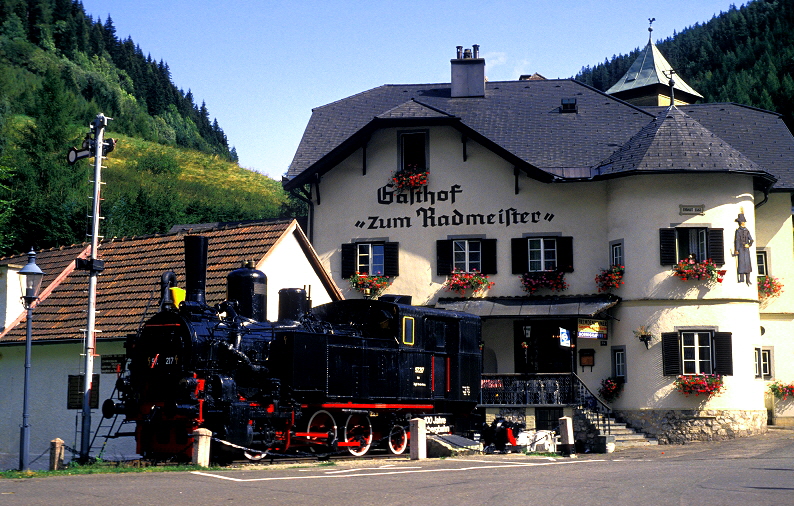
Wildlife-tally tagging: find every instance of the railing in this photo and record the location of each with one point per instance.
(591, 407)
(551, 389)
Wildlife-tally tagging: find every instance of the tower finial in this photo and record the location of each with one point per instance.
(650, 28)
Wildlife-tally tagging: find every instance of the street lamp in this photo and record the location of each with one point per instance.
(30, 278)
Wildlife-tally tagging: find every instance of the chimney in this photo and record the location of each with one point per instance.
(468, 73)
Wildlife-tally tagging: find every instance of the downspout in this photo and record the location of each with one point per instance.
(298, 193)
(766, 195)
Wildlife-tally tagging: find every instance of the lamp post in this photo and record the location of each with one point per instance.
(30, 278)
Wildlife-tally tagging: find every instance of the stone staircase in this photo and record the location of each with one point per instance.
(625, 436)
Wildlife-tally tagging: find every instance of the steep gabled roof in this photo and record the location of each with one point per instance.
(675, 142)
(129, 287)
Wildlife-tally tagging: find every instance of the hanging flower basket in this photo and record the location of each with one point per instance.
(531, 282)
(610, 388)
(409, 178)
(610, 279)
(370, 286)
(769, 287)
(688, 269)
(460, 281)
(699, 384)
(781, 390)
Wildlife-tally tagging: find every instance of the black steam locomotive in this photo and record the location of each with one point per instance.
(347, 374)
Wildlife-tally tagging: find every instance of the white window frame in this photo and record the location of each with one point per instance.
(762, 262)
(697, 357)
(542, 254)
(370, 258)
(619, 362)
(467, 255)
(763, 363)
(616, 253)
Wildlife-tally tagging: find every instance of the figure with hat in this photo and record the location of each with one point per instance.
(741, 244)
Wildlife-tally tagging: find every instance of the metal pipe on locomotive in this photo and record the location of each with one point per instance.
(348, 374)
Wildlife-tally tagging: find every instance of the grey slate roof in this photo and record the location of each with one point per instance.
(521, 121)
(674, 141)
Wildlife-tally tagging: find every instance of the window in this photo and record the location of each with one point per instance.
(374, 258)
(408, 330)
(467, 255)
(616, 253)
(679, 243)
(542, 254)
(763, 263)
(697, 352)
(568, 105)
(763, 363)
(413, 151)
(534, 254)
(370, 259)
(619, 362)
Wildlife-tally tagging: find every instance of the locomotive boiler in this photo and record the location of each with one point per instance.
(343, 376)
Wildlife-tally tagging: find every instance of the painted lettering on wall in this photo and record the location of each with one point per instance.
(428, 216)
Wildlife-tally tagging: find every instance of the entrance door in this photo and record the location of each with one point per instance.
(537, 346)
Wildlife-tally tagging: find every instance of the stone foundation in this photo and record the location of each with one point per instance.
(682, 426)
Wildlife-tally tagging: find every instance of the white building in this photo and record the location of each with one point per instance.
(552, 179)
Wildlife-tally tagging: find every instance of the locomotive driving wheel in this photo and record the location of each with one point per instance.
(398, 440)
(358, 429)
(322, 422)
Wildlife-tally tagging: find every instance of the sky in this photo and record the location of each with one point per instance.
(262, 65)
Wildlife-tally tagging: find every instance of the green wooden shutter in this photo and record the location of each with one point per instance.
(444, 257)
(348, 260)
(716, 246)
(519, 255)
(671, 354)
(667, 250)
(391, 259)
(488, 256)
(565, 254)
(723, 353)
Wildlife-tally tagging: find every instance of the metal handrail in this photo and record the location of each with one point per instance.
(589, 402)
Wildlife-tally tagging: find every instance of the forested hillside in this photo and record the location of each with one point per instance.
(59, 68)
(744, 55)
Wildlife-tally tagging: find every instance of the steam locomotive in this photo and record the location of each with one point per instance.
(343, 376)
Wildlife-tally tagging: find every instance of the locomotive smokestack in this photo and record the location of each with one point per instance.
(196, 267)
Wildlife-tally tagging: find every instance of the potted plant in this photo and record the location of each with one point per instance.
(460, 281)
(610, 388)
(409, 178)
(531, 282)
(370, 286)
(611, 278)
(769, 287)
(697, 384)
(644, 335)
(689, 269)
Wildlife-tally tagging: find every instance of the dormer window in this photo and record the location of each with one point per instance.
(413, 151)
(568, 105)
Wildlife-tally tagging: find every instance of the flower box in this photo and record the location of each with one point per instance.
(409, 178)
(769, 287)
(370, 286)
(699, 384)
(460, 281)
(610, 388)
(610, 278)
(531, 282)
(688, 269)
(781, 390)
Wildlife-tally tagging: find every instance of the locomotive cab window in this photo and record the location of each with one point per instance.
(408, 330)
